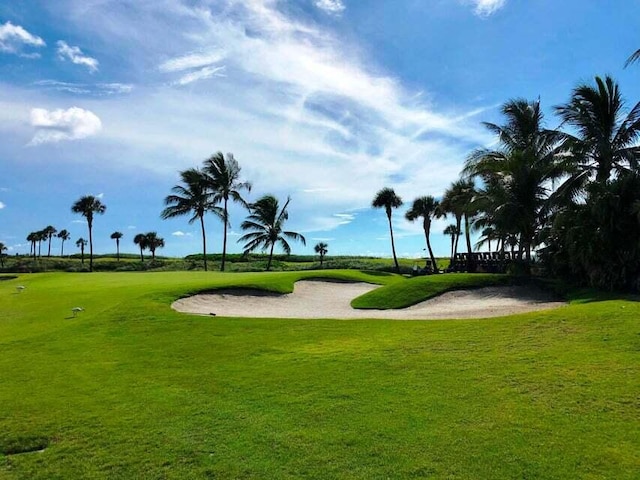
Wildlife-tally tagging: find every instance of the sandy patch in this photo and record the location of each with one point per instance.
(322, 299)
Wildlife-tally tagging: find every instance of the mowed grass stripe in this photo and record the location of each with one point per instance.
(131, 389)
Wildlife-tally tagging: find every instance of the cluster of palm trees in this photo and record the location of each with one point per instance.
(571, 193)
(148, 241)
(210, 188)
(46, 234)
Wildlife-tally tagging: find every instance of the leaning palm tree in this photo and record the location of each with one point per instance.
(81, 243)
(635, 56)
(223, 173)
(388, 199)
(117, 236)
(321, 249)
(63, 235)
(193, 198)
(606, 142)
(153, 242)
(427, 208)
(88, 206)
(3, 248)
(265, 225)
(141, 240)
(49, 231)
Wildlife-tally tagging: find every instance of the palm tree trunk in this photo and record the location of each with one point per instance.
(427, 229)
(321, 259)
(49, 250)
(118, 249)
(471, 264)
(141, 255)
(204, 242)
(453, 239)
(224, 240)
(153, 255)
(457, 237)
(393, 245)
(39, 248)
(82, 254)
(62, 249)
(270, 256)
(90, 248)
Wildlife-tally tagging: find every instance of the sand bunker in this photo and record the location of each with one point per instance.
(323, 299)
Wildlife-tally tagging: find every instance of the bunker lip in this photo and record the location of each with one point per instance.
(332, 300)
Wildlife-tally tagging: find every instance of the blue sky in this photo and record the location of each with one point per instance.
(323, 100)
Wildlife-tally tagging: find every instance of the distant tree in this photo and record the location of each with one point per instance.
(41, 236)
(193, 198)
(635, 56)
(3, 248)
(224, 180)
(33, 238)
(141, 240)
(81, 243)
(454, 232)
(427, 208)
(49, 231)
(457, 199)
(87, 206)
(117, 236)
(153, 241)
(387, 199)
(63, 235)
(265, 226)
(321, 249)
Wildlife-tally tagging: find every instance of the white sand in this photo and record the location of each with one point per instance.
(323, 299)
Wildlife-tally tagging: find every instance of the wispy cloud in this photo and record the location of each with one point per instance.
(13, 39)
(57, 125)
(485, 8)
(75, 55)
(330, 6)
(181, 234)
(199, 66)
(97, 89)
(2, 205)
(201, 74)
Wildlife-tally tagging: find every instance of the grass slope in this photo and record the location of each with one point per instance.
(131, 389)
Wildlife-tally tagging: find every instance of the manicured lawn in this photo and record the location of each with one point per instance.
(130, 389)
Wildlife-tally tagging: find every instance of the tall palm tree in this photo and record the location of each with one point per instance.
(49, 231)
(387, 199)
(517, 175)
(453, 231)
(458, 200)
(635, 56)
(81, 243)
(63, 235)
(153, 241)
(88, 206)
(192, 198)
(223, 172)
(321, 249)
(33, 238)
(265, 225)
(141, 240)
(606, 140)
(3, 248)
(41, 236)
(117, 236)
(427, 208)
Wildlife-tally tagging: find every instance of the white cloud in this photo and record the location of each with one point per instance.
(97, 89)
(192, 60)
(56, 125)
(203, 73)
(2, 205)
(67, 52)
(100, 195)
(13, 38)
(330, 6)
(485, 8)
(181, 234)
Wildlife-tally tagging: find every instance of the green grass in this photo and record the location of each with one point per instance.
(131, 389)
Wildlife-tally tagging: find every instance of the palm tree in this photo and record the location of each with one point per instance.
(87, 206)
(606, 140)
(517, 175)
(192, 198)
(427, 208)
(388, 199)
(117, 236)
(81, 243)
(3, 248)
(41, 235)
(49, 232)
(33, 238)
(453, 231)
(63, 235)
(224, 179)
(458, 200)
(141, 240)
(321, 249)
(153, 241)
(265, 224)
(635, 56)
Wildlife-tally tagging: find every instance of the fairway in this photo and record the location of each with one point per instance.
(129, 388)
